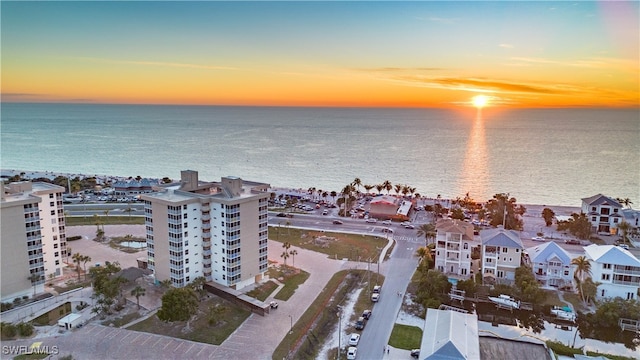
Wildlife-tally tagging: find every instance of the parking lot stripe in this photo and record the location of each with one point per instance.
(134, 339)
(157, 341)
(189, 349)
(177, 347)
(149, 337)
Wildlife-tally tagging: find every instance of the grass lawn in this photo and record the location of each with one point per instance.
(32, 356)
(405, 337)
(335, 245)
(200, 330)
(104, 220)
(263, 291)
(552, 299)
(290, 277)
(123, 320)
(574, 299)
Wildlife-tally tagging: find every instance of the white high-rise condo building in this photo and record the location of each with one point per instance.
(217, 230)
(32, 237)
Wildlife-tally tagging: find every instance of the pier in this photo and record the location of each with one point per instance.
(629, 325)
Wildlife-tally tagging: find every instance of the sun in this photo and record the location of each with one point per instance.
(480, 101)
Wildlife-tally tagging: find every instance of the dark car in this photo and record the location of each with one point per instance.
(281, 215)
(360, 323)
(366, 314)
(415, 353)
(573, 242)
(337, 222)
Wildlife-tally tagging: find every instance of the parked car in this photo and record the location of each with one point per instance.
(325, 212)
(337, 222)
(281, 215)
(415, 353)
(353, 339)
(377, 289)
(624, 246)
(360, 323)
(573, 242)
(366, 314)
(386, 222)
(351, 353)
(371, 220)
(538, 238)
(375, 297)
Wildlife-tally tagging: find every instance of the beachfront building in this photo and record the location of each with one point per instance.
(133, 187)
(454, 241)
(501, 255)
(551, 265)
(217, 230)
(615, 269)
(603, 212)
(33, 237)
(389, 207)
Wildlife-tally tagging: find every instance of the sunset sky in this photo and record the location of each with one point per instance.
(417, 54)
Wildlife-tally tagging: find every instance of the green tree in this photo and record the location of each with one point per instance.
(578, 225)
(137, 292)
(77, 258)
(527, 285)
(293, 254)
(387, 186)
(589, 289)
(379, 188)
(496, 208)
(433, 288)
(178, 304)
(197, 285)
(368, 188)
(284, 256)
(548, 215)
(624, 228)
(426, 230)
(34, 278)
(166, 284)
(357, 183)
(457, 214)
(215, 312)
(583, 267)
(106, 286)
(424, 254)
(85, 260)
(397, 188)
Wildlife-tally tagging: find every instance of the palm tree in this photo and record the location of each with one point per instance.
(34, 278)
(293, 254)
(357, 183)
(405, 190)
(137, 292)
(583, 267)
(284, 256)
(423, 253)
(85, 260)
(412, 190)
(368, 188)
(346, 193)
(77, 258)
(387, 186)
(625, 228)
(426, 230)
(397, 188)
(626, 202)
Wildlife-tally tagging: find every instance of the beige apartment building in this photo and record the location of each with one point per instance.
(501, 255)
(32, 237)
(217, 230)
(454, 241)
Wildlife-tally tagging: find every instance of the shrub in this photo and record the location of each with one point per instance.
(8, 330)
(25, 297)
(25, 329)
(74, 238)
(6, 306)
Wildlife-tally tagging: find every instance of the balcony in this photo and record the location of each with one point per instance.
(206, 226)
(206, 235)
(233, 273)
(206, 261)
(205, 208)
(619, 270)
(627, 283)
(233, 245)
(205, 217)
(234, 228)
(206, 271)
(207, 252)
(453, 247)
(233, 237)
(33, 228)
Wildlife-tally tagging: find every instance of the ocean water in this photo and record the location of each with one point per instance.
(550, 156)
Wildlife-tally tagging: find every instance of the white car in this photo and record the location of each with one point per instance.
(538, 238)
(371, 220)
(409, 226)
(351, 353)
(386, 222)
(375, 297)
(353, 340)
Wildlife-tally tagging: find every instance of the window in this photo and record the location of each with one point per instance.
(186, 261)
(566, 273)
(593, 208)
(186, 251)
(510, 259)
(606, 276)
(224, 268)
(55, 246)
(187, 279)
(56, 254)
(52, 204)
(615, 220)
(186, 233)
(53, 221)
(50, 196)
(593, 219)
(184, 207)
(504, 249)
(57, 262)
(465, 246)
(53, 212)
(186, 270)
(186, 225)
(606, 266)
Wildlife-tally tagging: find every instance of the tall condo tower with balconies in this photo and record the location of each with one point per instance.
(215, 230)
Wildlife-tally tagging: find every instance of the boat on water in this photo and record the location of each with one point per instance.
(564, 313)
(505, 301)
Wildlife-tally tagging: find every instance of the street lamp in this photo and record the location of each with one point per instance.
(339, 331)
(291, 328)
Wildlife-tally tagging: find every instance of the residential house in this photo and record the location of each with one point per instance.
(450, 335)
(501, 254)
(551, 264)
(603, 212)
(616, 269)
(217, 230)
(454, 241)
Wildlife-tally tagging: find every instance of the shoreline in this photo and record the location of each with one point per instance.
(101, 179)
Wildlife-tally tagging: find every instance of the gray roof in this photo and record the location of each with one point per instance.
(600, 199)
(501, 237)
(450, 335)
